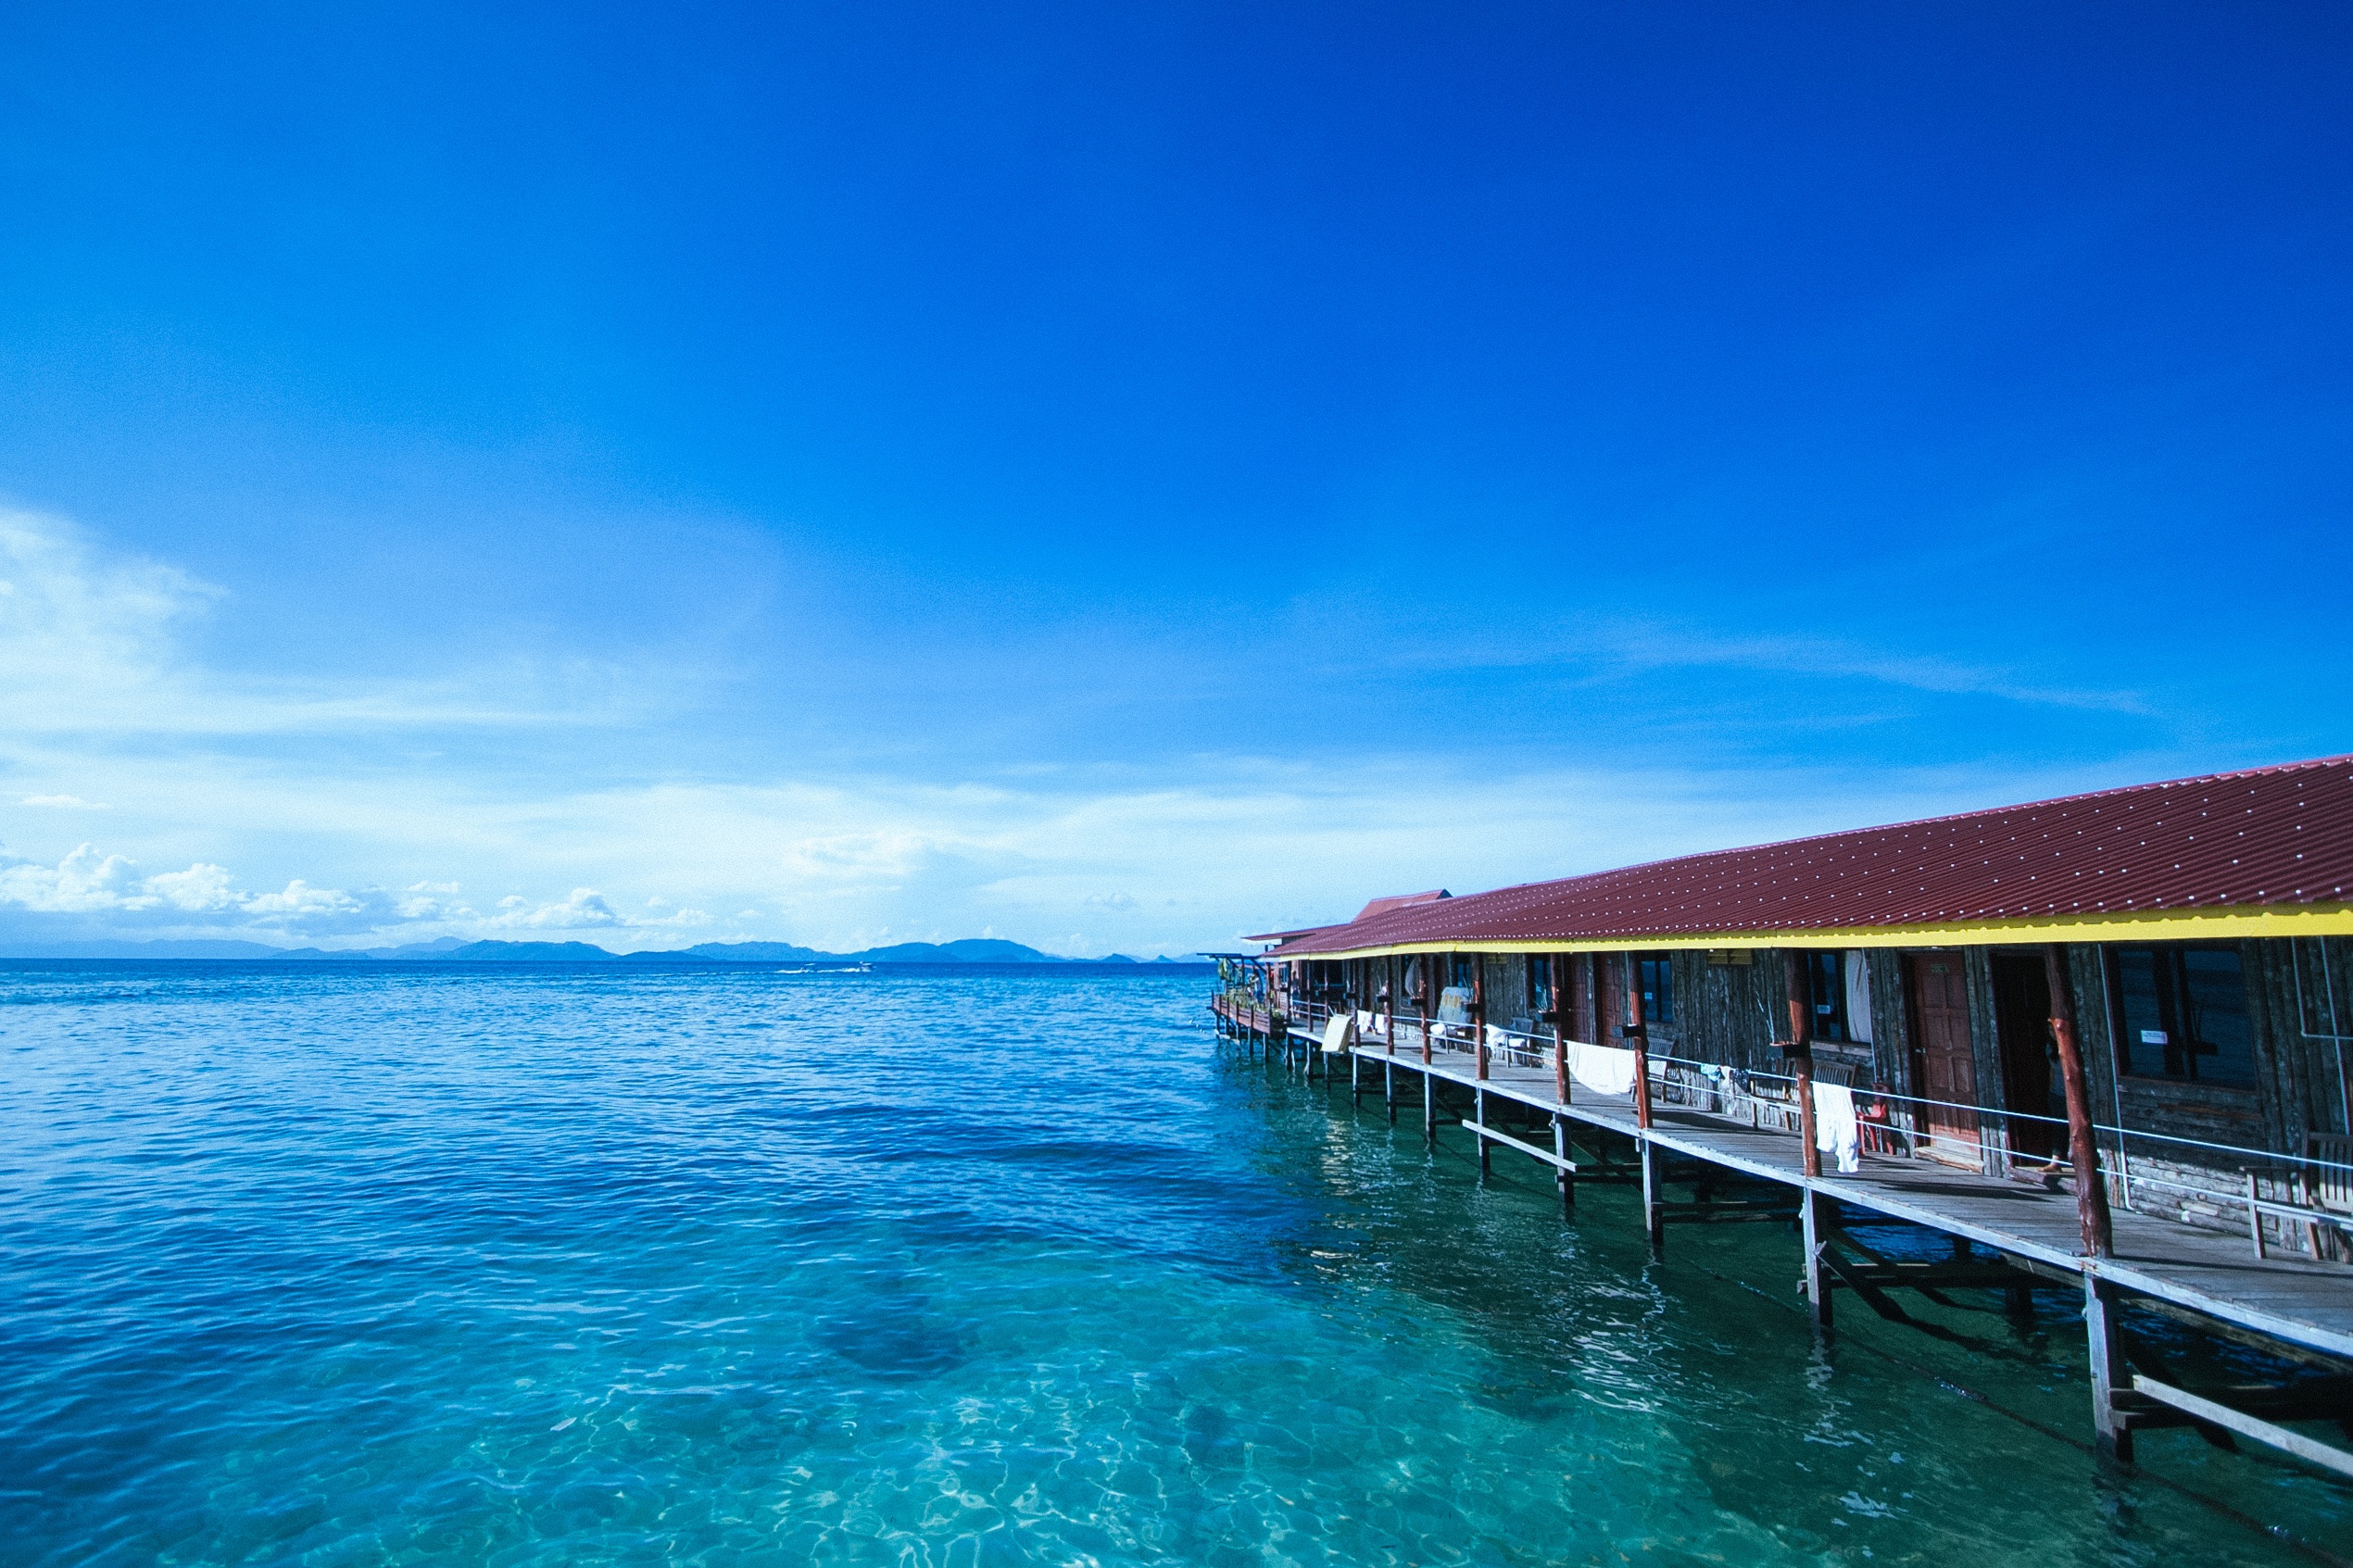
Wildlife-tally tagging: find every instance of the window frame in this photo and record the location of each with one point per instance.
(1832, 1008)
(2173, 996)
(1663, 988)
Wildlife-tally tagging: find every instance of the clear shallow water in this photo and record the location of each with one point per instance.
(402, 1264)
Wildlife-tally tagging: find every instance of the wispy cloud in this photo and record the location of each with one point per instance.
(1594, 650)
(1651, 648)
(377, 833)
(95, 645)
(1073, 863)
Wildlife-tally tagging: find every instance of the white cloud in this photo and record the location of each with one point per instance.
(301, 904)
(108, 892)
(96, 689)
(875, 858)
(65, 803)
(199, 888)
(585, 910)
(86, 882)
(83, 882)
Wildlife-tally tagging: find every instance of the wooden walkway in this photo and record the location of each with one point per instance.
(2295, 1301)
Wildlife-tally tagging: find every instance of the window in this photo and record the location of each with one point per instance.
(1826, 981)
(1540, 982)
(1658, 990)
(1461, 972)
(2180, 1013)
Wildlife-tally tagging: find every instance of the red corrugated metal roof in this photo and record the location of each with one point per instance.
(1401, 901)
(1287, 936)
(2267, 836)
(1377, 907)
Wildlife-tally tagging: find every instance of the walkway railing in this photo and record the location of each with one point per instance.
(1891, 1124)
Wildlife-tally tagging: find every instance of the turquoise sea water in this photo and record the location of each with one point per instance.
(420, 1264)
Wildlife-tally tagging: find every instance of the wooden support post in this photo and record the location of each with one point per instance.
(1802, 1069)
(1388, 1088)
(1816, 1281)
(1478, 1022)
(1801, 1058)
(1560, 1038)
(2090, 1191)
(1478, 1113)
(1429, 1006)
(2018, 1303)
(1633, 1031)
(1567, 1172)
(1654, 1198)
(1429, 1108)
(1636, 1033)
(2109, 1372)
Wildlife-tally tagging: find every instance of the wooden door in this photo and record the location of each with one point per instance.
(1946, 1065)
(1608, 999)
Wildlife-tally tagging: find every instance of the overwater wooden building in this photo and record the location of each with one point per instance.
(2178, 955)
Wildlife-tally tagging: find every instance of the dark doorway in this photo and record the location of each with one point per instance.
(2023, 1024)
(1943, 1065)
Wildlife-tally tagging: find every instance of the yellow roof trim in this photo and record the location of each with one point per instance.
(2156, 925)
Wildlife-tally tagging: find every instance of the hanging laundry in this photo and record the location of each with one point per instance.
(1834, 1127)
(1605, 1070)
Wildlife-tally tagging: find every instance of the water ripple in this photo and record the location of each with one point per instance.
(403, 1263)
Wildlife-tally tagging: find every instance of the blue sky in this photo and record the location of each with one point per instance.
(1119, 477)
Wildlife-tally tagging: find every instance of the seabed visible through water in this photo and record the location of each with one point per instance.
(410, 1263)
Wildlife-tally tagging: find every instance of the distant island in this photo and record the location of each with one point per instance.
(451, 950)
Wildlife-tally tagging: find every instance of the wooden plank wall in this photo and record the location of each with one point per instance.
(1730, 1013)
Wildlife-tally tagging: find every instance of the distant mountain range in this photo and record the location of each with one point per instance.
(451, 950)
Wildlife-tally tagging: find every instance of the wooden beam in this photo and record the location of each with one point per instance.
(1860, 1283)
(2198, 1409)
(2206, 1322)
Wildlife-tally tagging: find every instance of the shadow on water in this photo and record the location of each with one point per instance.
(893, 1333)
